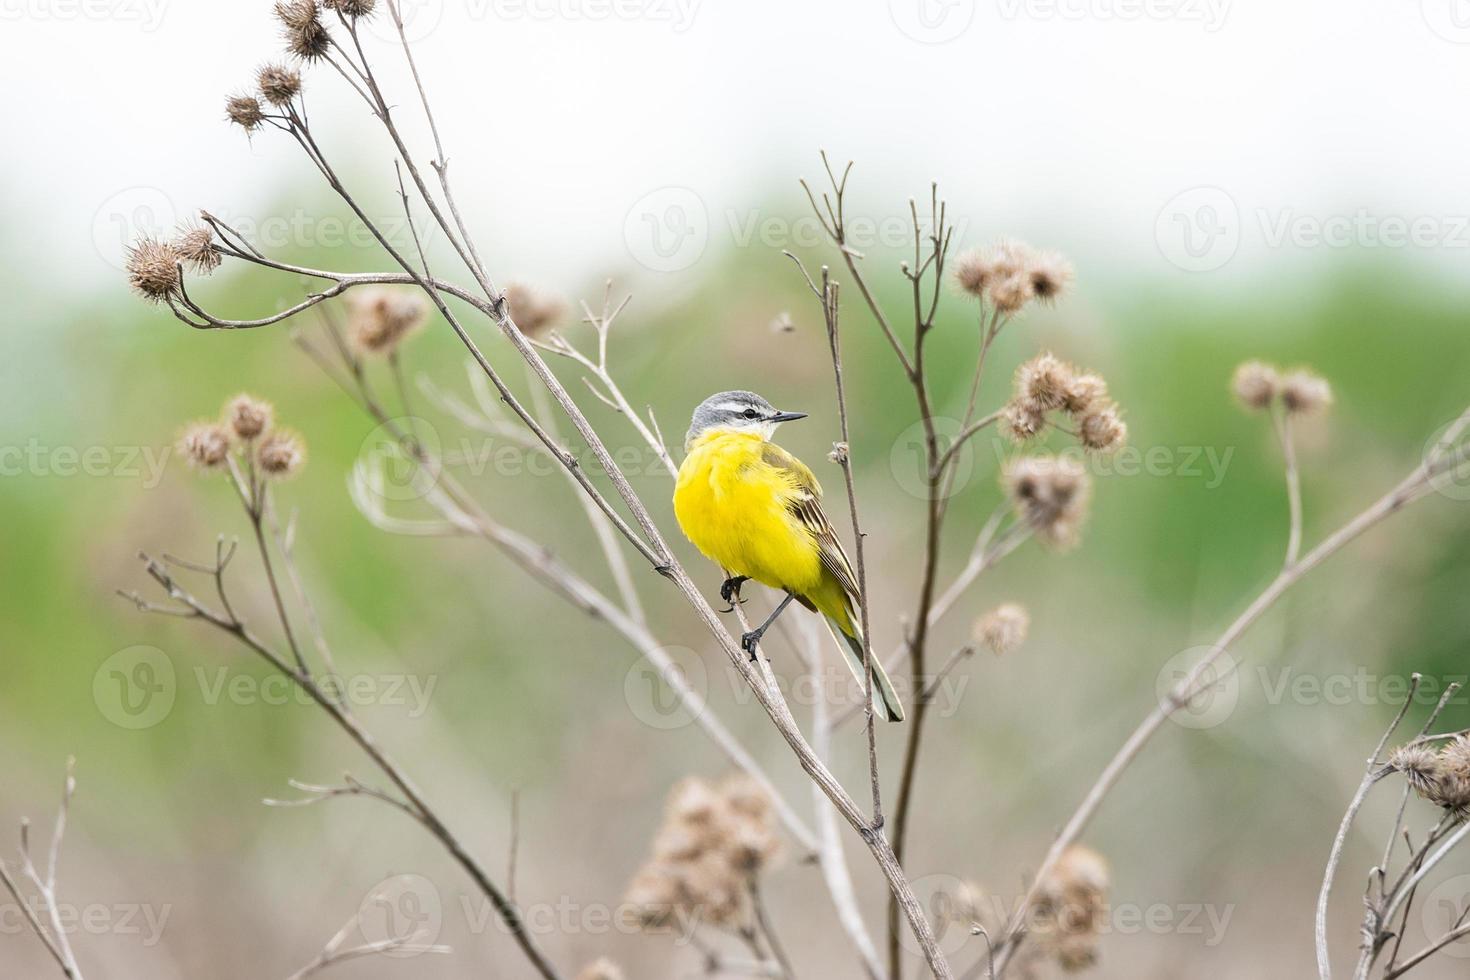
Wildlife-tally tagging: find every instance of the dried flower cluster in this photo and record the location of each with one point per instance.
(1011, 274)
(305, 35)
(532, 311)
(154, 266)
(1071, 908)
(247, 427)
(714, 842)
(1051, 494)
(1442, 777)
(380, 319)
(1004, 628)
(1258, 385)
(1047, 384)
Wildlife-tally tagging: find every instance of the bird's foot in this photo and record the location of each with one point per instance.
(730, 591)
(749, 642)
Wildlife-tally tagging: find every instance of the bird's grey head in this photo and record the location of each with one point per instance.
(737, 411)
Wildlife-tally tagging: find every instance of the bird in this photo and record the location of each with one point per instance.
(755, 510)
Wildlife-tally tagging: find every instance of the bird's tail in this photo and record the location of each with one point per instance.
(885, 698)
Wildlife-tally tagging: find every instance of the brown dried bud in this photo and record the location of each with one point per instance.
(306, 36)
(1044, 382)
(1051, 494)
(1101, 429)
(195, 245)
(533, 313)
(248, 416)
(1004, 628)
(205, 445)
(1050, 275)
(1303, 392)
(1022, 422)
(245, 111)
(1255, 384)
(1419, 764)
(380, 318)
(280, 454)
(351, 8)
(278, 84)
(153, 269)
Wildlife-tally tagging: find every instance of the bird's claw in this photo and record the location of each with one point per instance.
(730, 591)
(749, 642)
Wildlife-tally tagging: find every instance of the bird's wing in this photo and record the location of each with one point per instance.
(806, 506)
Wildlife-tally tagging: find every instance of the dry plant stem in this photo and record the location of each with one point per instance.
(650, 544)
(345, 720)
(1375, 771)
(827, 295)
(1293, 485)
(52, 933)
(1411, 488)
(767, 930)
(333, 952)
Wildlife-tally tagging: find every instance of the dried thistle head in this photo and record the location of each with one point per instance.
(1011, 294)
(1419, 764)
(1044, 382)
(153, 269)
(279, 84)
(379, 319)
(1050, 275)
(1304, 392)
(280, 453)
(1051, 494)
(1004, 628)
(301, 26)
(195, 245)
(351, 8)
(206, 445)
(601, 968)
(248, 416)
(979, 270)
(1071, 907)
(1255, 384)
(1084, 390)
(245, 111)
(1021, 423)
(1102, 429)
(532, 311)
(654, 894)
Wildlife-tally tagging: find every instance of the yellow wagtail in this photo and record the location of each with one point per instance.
(756, 511)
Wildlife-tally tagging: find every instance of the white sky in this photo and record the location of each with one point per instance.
(1071, 122)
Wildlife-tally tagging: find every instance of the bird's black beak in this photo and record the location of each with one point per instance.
(787, 416)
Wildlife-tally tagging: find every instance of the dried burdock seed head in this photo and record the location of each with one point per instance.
(599, 969)
(352, 9)
(245, 111)
(694, 803)
(1050, 275)
(206, 445)
(753, 846)
(1419, 764)
(1051, 494)
(1452, 792)
(1011, 294)
(533, 312)
(1454, 757)
(1255, 384)
(248, 416)
(379, 319)
(280, 454)
(279, 84)
(1044, 382)
(153, 269)
(1004, 628)
(195, 245)
(977, 272)
(301, 24)
(746, 797)
(1071, 906)
(1102, 429)
(1303, 392)
(1083, 392)
(714, 891)
(655, 894)
(1022, 423)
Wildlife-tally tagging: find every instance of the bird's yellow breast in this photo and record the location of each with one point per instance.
(733, 505)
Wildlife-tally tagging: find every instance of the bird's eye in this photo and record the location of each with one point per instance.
(749, 413)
